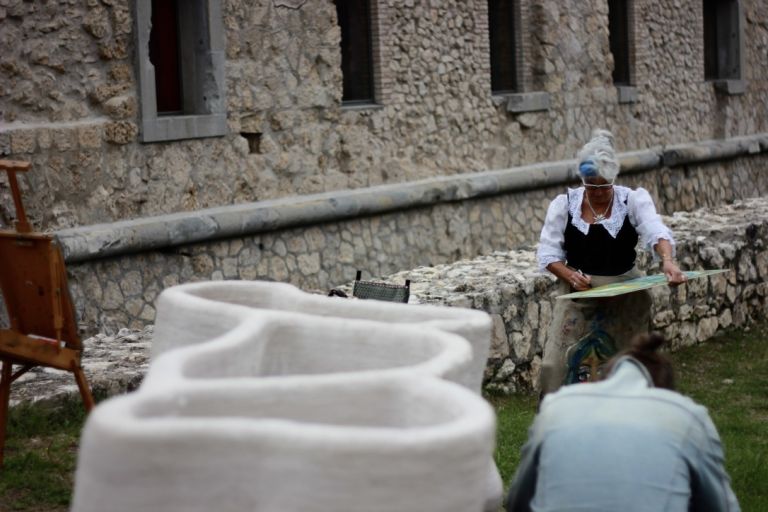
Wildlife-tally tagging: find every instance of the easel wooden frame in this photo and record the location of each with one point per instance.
(43, 330)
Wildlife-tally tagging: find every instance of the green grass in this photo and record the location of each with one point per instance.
(514, 414)
(40, 456)
(728, 374)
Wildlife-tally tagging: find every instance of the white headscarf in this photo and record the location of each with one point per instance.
(598, 158)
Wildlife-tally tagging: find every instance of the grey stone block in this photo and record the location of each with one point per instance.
(527, 102)
(626, 93)
(732, 87)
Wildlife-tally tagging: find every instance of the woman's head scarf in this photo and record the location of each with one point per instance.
(597, 158)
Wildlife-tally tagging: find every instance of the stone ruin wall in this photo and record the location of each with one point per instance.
(69, 101)
(508, 286)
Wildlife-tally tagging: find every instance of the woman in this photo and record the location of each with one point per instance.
(588, 239)
(641, 446)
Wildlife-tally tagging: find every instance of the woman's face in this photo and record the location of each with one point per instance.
(599, 189)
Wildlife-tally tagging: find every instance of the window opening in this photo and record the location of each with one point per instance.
(356, 52)
(618, 27)
(164, 55)
(503, 41)
(721, 39)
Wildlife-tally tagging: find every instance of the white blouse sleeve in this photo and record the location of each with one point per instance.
(648, 223)
(553, 233)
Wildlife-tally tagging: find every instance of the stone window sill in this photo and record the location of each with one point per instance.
(361, 106)
(523, 101)
(730, 86)
(626, 93)
(164, 128)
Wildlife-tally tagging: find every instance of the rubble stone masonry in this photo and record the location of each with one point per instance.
(69, 100)
(520, 299)
(69, 103)
(379, 231)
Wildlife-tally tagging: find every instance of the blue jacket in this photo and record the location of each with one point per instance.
(621, 445)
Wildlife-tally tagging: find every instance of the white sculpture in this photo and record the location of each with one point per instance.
(249, 405)
(268, 344)
(183, 319)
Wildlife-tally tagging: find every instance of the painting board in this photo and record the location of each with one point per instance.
(636, 284)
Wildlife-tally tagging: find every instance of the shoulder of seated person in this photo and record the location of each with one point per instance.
(606, 389)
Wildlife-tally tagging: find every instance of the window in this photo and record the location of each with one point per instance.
(512, 57)
(618, 27)
(356, 52)
(181, 69)
(164, 56)
(722, 59)
(622, 44)
(504, 46)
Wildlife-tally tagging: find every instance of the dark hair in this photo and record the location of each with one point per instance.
(644, 349)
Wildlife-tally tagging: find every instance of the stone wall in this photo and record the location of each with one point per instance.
(508, 286)
(119, 291)
(70, 104)
(69, 100)
(519, 299)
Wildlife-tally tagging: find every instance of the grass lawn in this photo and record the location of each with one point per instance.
(40, 457)
(728, 374)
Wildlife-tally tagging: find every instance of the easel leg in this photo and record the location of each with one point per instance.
(85, 390)
(5, 396)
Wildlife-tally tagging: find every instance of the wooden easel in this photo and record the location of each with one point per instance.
(33, 279)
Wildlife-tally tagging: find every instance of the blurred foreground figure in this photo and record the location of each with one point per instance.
(628, 443)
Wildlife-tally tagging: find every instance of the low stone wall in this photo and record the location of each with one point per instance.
(113, 364)
(317, 242)
(508, 286)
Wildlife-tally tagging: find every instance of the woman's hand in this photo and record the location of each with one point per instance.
(575, 279)
(674, 275)
(579, 282)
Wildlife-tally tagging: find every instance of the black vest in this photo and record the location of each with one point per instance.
(597, 252)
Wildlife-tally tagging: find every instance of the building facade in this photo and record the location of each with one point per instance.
(135, 111)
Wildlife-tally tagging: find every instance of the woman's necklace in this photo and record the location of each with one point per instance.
(598, 217)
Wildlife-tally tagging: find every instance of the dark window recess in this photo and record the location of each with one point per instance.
(501, 25)
(710, 40)
(164, 55)
(254, 142)
(618, 27)
(356, 59)
(721, 39)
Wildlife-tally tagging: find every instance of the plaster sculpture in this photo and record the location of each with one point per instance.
(185, 316)
(268, 344)
(246, 408)
(376, 445)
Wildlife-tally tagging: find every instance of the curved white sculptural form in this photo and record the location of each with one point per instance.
(268, 344)
(290, 446)
(263, 398)
(183, 319)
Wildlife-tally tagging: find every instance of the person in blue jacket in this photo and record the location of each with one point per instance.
(628, 443)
